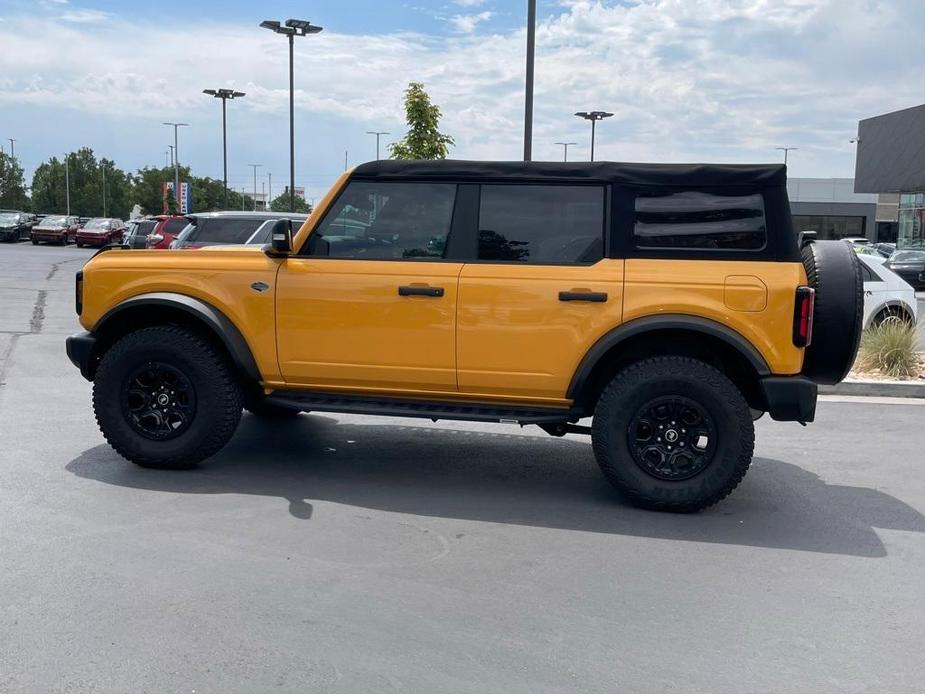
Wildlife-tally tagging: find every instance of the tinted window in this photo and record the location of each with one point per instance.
(700, 221)
(868, 274)
(387, 221)
(212, 230)
(144, 228)
(175, 226)
(541, 224)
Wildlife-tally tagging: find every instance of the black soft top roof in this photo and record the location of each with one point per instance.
(707, 175)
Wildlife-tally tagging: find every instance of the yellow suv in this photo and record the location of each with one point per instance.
(673, 303)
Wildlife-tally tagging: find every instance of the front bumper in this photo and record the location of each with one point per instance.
(790, 398)
(81, 348)
(9, 234)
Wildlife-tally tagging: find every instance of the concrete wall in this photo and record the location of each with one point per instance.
(891, 153)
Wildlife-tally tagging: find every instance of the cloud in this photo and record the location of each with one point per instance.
(84, 16)
(466, 23)
(470, 3)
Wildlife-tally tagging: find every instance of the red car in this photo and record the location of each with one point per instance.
(167, 229)
(55, 229)
(100, 231)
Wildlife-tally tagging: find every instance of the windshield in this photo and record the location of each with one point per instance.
(9, 218)
(54, 222)
(907, 257)
(97, 224)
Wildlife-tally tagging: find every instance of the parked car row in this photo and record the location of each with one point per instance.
(907, 263)
(60, 229)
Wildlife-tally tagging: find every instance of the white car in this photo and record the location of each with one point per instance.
(886, 294)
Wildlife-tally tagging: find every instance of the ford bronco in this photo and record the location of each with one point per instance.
(674, 304)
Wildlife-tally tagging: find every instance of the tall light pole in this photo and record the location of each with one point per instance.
(176, 160)
(103, 171)
(243, 193)
(224, 95)
(378, 134)
(594, 117)
(293, 28)
(269, 188)
(528, 91)
(255, 166)
(565, 146)
(67, 183)
(786, 151)
(167, 157)
(170, 147)
(12, 151)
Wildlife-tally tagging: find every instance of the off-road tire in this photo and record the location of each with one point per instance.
(218, 396)
(834, 271)
(642, 382)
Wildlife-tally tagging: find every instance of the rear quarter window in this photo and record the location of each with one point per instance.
(699, 221)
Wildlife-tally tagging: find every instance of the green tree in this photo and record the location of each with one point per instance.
(281, 204)
(12, 185)
(423, 139)
(149, 187)
(86, 186)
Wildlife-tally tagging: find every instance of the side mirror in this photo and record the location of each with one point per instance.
(280, 239)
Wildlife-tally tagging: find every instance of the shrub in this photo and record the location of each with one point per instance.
(890, 347)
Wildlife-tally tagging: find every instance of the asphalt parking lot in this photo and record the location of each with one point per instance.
(348, 554)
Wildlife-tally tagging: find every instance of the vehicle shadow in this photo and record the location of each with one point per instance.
(505, 478)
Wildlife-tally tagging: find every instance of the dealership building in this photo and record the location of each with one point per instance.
(891, 163)
(831, 208)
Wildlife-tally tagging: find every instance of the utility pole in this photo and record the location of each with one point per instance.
(263, 192)
(176, 161)
(378, 134)
(786, 151)
(565, 146)
(67, 184)
(255, 183)
(103, 170)
(528, 100)
(270, 188)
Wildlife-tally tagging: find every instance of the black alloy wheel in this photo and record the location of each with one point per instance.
(159, 401)
(672, 438)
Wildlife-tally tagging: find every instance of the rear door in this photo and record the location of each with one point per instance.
(540, 292)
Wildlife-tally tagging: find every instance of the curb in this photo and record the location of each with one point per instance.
(882, 389)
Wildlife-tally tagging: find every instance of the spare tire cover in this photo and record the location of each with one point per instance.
(834, 271)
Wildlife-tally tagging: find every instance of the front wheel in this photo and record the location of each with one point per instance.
(165, 397)
(673, 434)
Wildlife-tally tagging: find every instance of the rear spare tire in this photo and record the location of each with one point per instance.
(834, 271)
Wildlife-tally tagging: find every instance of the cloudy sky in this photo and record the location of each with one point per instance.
(688, 80)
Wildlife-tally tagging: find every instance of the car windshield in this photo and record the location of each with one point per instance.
(54, 222)
(907, 257)
(97, 224)
(9, 218)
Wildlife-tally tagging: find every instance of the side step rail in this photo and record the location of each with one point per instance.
(427, 409)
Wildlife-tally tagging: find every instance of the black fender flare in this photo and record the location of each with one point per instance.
(217, 322)
(667, 321)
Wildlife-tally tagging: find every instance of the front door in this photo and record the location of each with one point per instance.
(370, 302)
(541, 292)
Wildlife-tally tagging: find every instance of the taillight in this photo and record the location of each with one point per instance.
(79, 293)
(803, 316)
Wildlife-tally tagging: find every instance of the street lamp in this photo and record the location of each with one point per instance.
(786, 151)
(67, 183)
(378, 134)
(594, 117)
(255, 166)
(292, 28)
(224, 95)
(176, 161)
(565, 146)
(528, 95)
(12, 151)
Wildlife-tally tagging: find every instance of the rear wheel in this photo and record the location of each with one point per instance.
(673, 434)
(892, 313)
(164, 397)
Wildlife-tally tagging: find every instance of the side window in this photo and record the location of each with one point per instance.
(175, 225)
(541, 224)
(868, 274)
(387, 221)
(701, 221)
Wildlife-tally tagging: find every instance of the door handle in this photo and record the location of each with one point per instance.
(597, 297)
(420, 291)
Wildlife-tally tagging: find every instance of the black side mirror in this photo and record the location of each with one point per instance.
(280, 239)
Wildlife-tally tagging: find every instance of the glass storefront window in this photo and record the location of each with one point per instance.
(911, 221)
